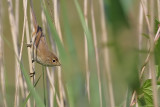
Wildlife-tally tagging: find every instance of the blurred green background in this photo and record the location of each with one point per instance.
(125, 58)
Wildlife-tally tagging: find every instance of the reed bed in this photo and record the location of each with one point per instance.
(86, 51)
(108, 50)
(2, 73)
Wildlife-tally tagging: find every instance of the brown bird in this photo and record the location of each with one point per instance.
(40, 51)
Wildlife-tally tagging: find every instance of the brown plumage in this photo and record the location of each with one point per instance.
(40, 51)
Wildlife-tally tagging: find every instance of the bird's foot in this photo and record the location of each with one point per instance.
(29, 45)
(32, 74)
(32, 60)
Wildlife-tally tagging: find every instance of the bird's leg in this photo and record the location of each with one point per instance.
(32, 45)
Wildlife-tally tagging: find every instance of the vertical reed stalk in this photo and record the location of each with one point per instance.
(146, 2)
(25, 28)
(50, 90)
(96, 51)
(51, 75)
(140, 27)
(44, 31)
(52, 93)
(145, 13)
(21, 81)
(17, 16)
(14, 37)
(152, 67)
(29, 56)
(2, 74)
(136, 102)
(33, 66)
(158, 8)
(56, 18)
(106, 54)
(86, 51)
(57, 26)
(53, 88)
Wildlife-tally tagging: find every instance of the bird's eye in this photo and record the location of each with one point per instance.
(54, 60)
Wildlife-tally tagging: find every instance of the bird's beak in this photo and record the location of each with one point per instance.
(58, 64)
